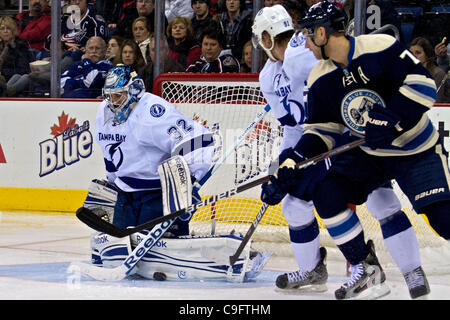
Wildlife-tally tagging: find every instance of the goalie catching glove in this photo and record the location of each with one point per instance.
(382, 127)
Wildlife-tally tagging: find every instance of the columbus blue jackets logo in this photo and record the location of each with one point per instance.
(157, 110)
(355, 106)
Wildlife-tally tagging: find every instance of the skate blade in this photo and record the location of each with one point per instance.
(316, 288)
(373, 293)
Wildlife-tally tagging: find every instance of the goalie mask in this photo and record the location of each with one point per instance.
(122, 90)
(274, 20)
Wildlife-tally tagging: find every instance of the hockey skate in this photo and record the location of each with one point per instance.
(367, 279)
(417, 284)
(309, 281)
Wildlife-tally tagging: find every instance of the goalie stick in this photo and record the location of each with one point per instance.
(100, 225)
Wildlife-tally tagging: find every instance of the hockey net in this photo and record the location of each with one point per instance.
(226, 104)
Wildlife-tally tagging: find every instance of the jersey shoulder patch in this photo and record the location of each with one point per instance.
(157, 110)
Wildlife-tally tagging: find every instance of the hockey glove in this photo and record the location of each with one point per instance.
(382, 127)
(280, 184)
(271, 192)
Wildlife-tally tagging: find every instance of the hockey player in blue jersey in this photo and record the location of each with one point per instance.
(374, 87)
(282, 83)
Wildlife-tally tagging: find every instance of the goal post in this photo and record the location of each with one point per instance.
(226, 104)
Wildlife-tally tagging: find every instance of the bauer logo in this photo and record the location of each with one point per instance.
(70, 142)
(355, 107)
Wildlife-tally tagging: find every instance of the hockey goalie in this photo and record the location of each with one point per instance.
(171, 258)
(153, 154)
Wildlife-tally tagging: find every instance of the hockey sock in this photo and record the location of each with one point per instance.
(347, 233)
(305, 243)
(401, 241)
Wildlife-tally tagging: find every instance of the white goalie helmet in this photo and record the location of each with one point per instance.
(274, 20)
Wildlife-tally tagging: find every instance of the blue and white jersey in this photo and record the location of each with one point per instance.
(283, 84)
(154, 132)
(381, 71)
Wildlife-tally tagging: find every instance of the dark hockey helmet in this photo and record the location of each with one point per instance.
(323, 14)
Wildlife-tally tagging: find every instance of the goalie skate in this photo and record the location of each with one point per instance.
(417, 284)
(309, 281)
(367, 279)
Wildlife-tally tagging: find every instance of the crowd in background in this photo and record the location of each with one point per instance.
(199, 36)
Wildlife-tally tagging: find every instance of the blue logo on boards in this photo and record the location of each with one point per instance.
(157, 110)
(356, 105)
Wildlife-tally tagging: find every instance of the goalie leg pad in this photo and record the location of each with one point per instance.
(176, 185)
(109, 251)
(196, 258)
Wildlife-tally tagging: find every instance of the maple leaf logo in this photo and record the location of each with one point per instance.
(63, 124)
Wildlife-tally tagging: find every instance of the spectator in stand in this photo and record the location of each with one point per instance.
(141, 35)
(111, 11)
(178, 8)
(113, 47)
(34, 25)
(169, 65)
(78, 25)
(139, 8)
(246, 63)
(15, 56)
(442, 51)
(85, 78)
(202, 18)
(182, 46)
(423, 50)
(40, 79)
(235, 22)
(131, 55)
(214, 58)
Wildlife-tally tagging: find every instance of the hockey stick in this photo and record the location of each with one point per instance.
(92, 220)
(108, 228)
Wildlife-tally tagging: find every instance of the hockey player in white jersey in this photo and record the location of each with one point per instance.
(145, 139)
(282, 82)
(273, 31)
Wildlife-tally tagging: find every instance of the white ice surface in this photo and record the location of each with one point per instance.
(37, 248)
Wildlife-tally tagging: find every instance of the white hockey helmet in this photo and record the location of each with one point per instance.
(274, 20)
